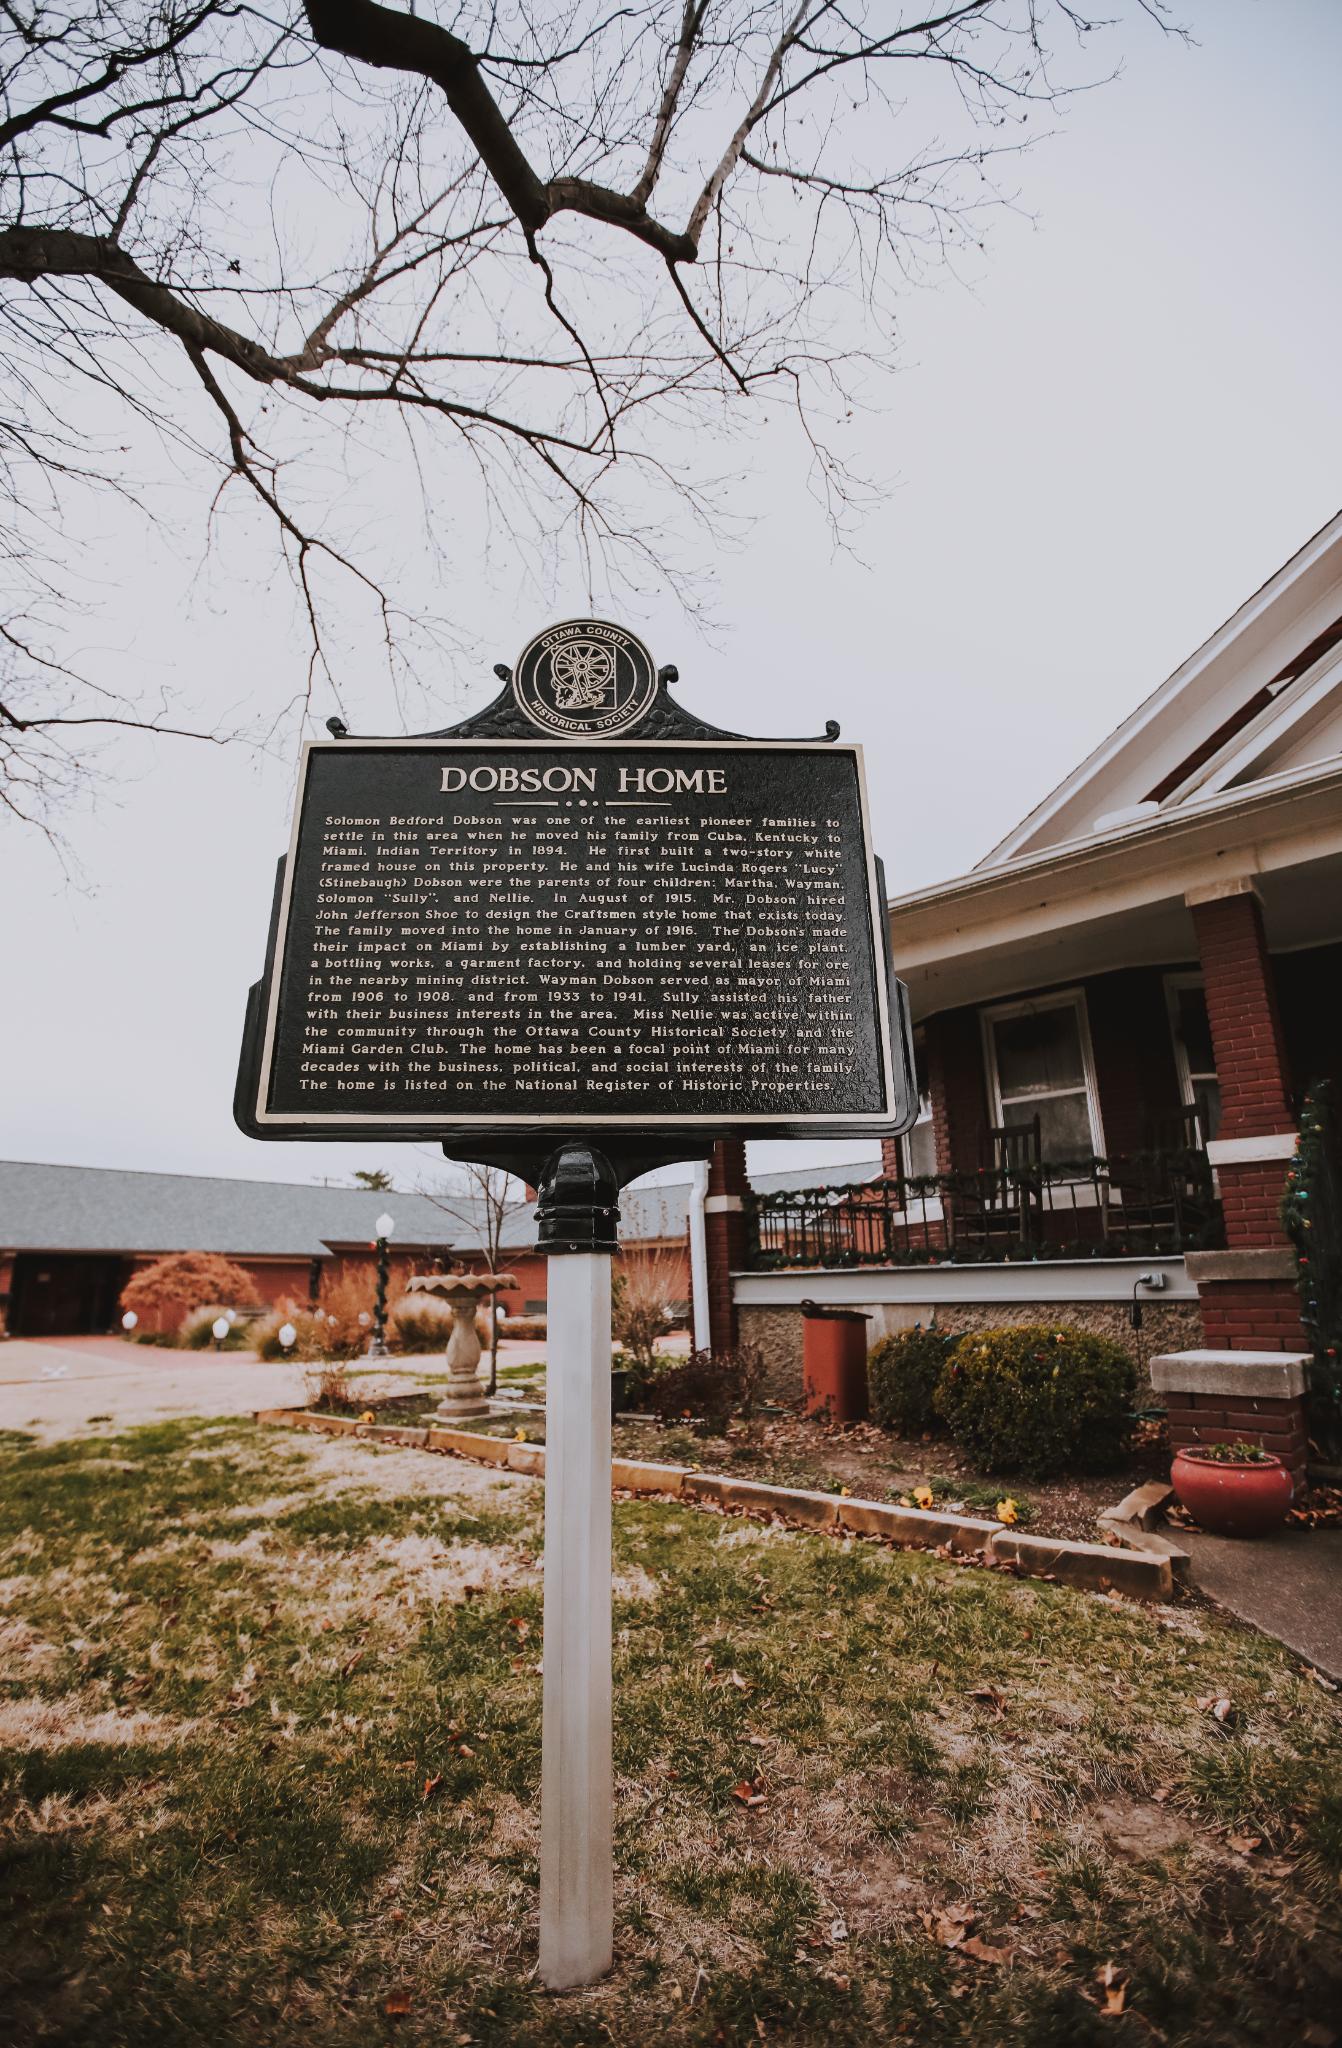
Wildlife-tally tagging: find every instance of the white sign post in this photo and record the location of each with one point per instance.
(577, 1909)
(576, 1218)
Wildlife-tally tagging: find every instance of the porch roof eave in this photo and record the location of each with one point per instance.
(1117, 898)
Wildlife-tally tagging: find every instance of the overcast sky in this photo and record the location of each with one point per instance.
(1098, 446)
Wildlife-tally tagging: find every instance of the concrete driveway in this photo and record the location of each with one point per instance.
(56, 1386)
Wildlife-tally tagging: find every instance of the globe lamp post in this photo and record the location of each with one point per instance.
(385, 1228)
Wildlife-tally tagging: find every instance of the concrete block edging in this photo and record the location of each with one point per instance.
(1094, 1567)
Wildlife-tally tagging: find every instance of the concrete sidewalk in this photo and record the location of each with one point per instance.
(1288, 1584)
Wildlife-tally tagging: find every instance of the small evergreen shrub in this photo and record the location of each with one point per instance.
(1038, 1400)
(902, 1374)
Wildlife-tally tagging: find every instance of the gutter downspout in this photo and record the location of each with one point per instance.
(699, 1256)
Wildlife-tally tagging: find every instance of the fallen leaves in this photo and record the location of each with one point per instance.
(950, 1925)
(983, 1953)
(1113, 1990)
(951, 1928)
(1319, 1508)
(456, 1737)
(750, 1791)
(1219, 1707)
(990, 1695)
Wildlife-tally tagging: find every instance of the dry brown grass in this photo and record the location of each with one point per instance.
(276, 1710)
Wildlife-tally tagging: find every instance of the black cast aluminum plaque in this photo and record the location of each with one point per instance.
(516, 936)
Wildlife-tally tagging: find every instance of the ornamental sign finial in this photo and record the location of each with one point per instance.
(585, 679)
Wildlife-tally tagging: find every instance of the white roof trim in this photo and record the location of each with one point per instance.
(1237, 806)
(1263, 600)
(1292, 707)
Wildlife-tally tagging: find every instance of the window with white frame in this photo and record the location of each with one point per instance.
(1193, 1054)
(918, 1146)
(1039, 1064)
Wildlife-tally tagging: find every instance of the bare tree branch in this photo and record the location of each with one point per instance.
(229, 238)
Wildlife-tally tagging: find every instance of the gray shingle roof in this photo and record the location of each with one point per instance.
(110, 1209)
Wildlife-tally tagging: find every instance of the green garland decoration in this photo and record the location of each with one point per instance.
(1311, 1214)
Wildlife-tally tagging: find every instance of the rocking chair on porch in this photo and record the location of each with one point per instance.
(1165, 1198)
(1000, 1207)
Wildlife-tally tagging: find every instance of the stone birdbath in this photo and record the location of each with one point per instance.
(464, 1293)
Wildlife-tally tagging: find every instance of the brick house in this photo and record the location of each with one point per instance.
(1118, 1011)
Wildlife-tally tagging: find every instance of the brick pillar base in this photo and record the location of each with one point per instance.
(1249, 1298)
(1237, 1397)
(725, 1238)
(1260, 1315)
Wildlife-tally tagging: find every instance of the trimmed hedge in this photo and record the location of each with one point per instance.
(1038, 1400)
(903, 1372)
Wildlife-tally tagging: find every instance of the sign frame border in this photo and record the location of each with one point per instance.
(350, 1125)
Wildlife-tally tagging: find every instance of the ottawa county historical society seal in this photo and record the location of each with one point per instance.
(585, 679)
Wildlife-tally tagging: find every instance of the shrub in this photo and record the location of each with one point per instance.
(168, 1289)
(419, 1322)
(265, 1333)
(328, 1386)
(423, 1322)
(643, 1302)
(195, 1332)
(706, 1386)
(529, 1329)
(345, 1313)
(902, 1372)
(1037, 1400)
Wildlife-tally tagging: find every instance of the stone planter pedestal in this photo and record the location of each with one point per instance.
(464, 1293)
(1237, 1397)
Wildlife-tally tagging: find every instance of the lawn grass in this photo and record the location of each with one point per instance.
(270, 1730)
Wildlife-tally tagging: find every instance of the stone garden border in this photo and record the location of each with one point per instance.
(1095, 1567)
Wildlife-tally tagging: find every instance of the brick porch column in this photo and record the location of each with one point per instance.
(725, 1236)
(1249, 1298)
(1233, 1391)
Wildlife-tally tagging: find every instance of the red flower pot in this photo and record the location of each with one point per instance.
(1232, 1500)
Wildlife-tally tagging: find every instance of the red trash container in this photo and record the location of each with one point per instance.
(834, 1362)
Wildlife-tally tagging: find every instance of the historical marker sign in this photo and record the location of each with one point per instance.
(579, 934)
(579, 924)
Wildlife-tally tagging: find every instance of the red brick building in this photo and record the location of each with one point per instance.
(1118, 1011)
